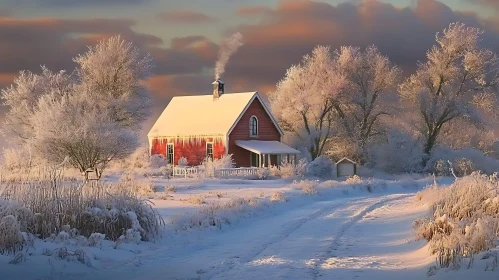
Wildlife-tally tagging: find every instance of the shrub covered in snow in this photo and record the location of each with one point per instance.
(183, 162)
(141, 163)
(15, 220)
(290, 170)
(11, 239)
(226, 161)
(355, 179)
(465, 218)
(274, 171)
(278, 196)
(307, 186)
(263, 173)
(399, 153)
(321, 167)
(463, 162)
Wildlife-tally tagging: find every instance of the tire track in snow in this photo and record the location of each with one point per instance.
(229, 264)
(335, 243)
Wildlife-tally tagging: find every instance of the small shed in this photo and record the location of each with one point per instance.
(346, 167)
(92, 174)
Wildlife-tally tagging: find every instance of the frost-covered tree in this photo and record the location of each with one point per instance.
(483, 140)
(90, 117)
(72, 127)
(370, 79)
(22, 97)
(399, 152)
(305, 98)
(112, 73)
(455, 83)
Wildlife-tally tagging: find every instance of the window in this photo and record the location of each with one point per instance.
(253, 126)
(209, 150)
(170, 153)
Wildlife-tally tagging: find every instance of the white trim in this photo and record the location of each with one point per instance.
(257, 128)
(269, 114)
(280, 149)
(189, 136)
(150, 139)
(173, 154)
(347, 159)
(212, 149)
(257, 95)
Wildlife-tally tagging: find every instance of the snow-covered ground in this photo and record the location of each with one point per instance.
(345, 231)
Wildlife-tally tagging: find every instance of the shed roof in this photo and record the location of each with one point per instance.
(345, 159)
(202, 115)
(266, 147)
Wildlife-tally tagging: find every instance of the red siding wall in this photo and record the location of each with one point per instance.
(194, 150)
(266, 132)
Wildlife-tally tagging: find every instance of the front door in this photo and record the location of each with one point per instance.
(255, 160)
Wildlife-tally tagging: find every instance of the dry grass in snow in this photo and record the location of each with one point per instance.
(62, 210)
(218, 213)
(464, 219)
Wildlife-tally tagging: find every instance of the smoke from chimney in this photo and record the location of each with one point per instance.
(229, 47)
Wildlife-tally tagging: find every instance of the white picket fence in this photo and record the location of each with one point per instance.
(185, 172)
(189, 172)
(236, 172)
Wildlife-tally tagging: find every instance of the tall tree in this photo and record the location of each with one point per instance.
(370, 79)
(455, 83)
(305, 99)
(112, 73)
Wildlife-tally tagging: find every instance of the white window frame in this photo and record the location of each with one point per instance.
(251, 129)
(212, 150)
(173, 153)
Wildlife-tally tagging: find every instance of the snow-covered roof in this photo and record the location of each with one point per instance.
(345, 159)
(266, 147)
(201, 115)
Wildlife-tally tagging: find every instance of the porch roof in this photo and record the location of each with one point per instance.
(266, 147)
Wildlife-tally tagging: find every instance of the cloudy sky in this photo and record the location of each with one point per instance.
(183, 36)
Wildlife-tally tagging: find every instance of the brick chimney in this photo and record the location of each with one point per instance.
(218, 88)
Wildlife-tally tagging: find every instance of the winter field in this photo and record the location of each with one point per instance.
(267, 229)
(291, 221)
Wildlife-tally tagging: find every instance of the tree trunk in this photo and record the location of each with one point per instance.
(429, 145)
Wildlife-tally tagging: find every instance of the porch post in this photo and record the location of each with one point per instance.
(268, 160)
(261, 162)
(294, 159)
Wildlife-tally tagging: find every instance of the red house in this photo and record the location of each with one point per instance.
(196, 127)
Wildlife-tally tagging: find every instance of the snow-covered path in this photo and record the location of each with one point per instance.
(337, 239)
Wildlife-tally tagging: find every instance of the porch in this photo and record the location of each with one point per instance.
(266, 153)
